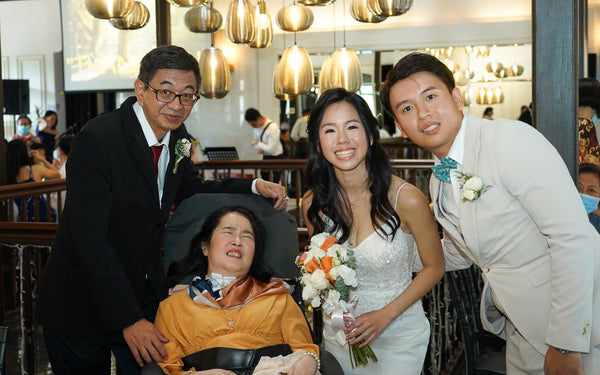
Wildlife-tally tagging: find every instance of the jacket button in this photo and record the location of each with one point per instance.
(486, 269)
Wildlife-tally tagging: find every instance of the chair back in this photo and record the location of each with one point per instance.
(281, 246)
(482, 355)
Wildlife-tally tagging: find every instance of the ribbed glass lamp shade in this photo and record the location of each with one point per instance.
(203, 19)
(360, 11)
(316, 2)
(263, 28)
(345, 70)
(135, 20)
(240, 21)
(214, 70)
(494, 67)
(109, 8)
(489, 96)
(325, 75)
(389, 7)
(295, 17)
(277, 86)
(296, 75)
(188, 3)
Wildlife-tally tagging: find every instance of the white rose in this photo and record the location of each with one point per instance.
(333, 300)
(473, 183)
(348, 275)
(309, 292)
(318, 239)
(316, 302)
(314, 252)
(469, 194)
(317, 279)
(334, 273)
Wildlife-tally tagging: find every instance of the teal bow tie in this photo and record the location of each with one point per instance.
(442, 171)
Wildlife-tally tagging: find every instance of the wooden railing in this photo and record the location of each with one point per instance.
(24, 243)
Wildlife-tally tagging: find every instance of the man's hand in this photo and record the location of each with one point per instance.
(272, 190)
(254, 141)
(562, 364)
(145, 342)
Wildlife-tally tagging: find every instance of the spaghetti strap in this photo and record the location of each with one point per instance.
(31, 173)
(398, 193)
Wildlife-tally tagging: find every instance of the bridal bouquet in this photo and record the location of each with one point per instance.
(327, 270)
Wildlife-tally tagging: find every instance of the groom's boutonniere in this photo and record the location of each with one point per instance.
(472, 186)
(182, 150)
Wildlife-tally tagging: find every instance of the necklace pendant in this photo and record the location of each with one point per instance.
(231, 323)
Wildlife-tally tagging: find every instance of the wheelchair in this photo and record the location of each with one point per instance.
(280, 251)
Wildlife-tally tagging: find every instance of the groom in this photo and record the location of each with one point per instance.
(521, 221)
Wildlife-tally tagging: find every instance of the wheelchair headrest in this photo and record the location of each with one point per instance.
(281, 246)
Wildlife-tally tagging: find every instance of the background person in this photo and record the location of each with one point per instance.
(488, 113)
(47, 132)
(104, 278)
(266, 139)
(24, 131)
(589, 105)
(589, 188)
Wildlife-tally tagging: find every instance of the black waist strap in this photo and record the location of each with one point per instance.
(240, 361)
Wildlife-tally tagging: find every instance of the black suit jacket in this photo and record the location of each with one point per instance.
(111, 228)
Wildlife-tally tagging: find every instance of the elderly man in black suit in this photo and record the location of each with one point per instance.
(104, 277)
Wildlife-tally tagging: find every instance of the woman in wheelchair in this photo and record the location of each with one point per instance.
(231, 314)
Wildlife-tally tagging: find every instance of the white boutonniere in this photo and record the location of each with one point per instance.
(472, 186)
(182, 150)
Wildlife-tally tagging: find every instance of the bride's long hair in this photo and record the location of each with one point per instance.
(328, 196)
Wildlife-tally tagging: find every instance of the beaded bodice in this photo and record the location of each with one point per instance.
(383, 269)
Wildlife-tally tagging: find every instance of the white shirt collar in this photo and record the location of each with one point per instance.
(457, 151)
(219, 281)
(148, 133)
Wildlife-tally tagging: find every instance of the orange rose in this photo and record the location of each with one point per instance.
(312, 265)
(329, 241)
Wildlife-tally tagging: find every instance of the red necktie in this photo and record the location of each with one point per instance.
(156, 151)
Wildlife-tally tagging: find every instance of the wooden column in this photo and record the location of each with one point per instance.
(556, 57)
(2, 144)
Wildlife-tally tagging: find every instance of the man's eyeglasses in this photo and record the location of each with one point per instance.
(167, 96)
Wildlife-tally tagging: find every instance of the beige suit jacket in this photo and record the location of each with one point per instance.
(530, 235)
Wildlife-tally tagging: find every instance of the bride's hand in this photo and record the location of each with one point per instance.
(368, 327)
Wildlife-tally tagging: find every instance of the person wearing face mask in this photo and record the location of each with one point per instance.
(24, 131)
(589, 189)
(589, 106)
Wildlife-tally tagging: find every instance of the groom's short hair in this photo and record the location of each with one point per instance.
(410, 64)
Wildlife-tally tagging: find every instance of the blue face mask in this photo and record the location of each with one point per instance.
(590, 203)
(594, 118)
(23, 129)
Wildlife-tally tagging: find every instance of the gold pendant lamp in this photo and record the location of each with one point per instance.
(188, 3)
(316, 2)
(240, 22)
(137, 19)
(359, 10)
(389, 7)
(106, 9)
(263, 28)
(295, 17)
(215, 73)
(277, 85)
(203, 19)
(325, 75)
(295, 75)
(345, 70)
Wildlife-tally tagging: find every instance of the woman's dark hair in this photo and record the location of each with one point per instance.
(16, 157)
(589, 93)
(410, 64)
(328, 195)
(195, 263)
(50, 113)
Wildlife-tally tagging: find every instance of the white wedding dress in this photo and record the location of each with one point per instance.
(383, 271)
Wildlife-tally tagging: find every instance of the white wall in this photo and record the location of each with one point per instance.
(30, 38)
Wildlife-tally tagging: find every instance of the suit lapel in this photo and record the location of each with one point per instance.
(172, 179)
(435, 189)
(467, 211)
(138, 146)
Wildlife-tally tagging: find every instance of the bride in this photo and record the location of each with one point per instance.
(386, 220)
